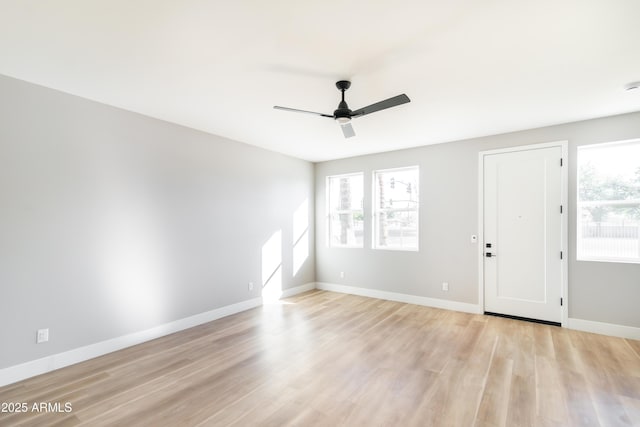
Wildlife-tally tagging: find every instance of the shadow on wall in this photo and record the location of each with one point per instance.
(300, 236)
(272, 254)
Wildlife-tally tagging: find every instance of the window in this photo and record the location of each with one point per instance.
(608, 214)
(345, 216)
(395, 208)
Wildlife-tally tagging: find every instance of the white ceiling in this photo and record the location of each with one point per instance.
(470, 67)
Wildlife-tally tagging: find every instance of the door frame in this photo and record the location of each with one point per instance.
(564, 221)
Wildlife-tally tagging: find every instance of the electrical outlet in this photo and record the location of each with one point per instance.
(342, 274)
(42, 336)
(445, 286)
(250, 286)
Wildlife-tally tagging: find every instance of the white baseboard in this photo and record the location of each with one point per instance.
(298, 290)
(394, 296)
(604, 328)
(20, 372)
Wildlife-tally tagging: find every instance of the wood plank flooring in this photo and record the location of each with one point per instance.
(328, 359)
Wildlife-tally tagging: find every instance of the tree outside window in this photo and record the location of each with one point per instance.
(345, 216)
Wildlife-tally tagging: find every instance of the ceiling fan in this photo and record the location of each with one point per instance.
(343, 114)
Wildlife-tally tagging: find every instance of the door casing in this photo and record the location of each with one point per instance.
(564, 291)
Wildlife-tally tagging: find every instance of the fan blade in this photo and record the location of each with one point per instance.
(382, 105)
(295, 110)
(347, 130)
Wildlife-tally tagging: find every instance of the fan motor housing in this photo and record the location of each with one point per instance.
(340, 113)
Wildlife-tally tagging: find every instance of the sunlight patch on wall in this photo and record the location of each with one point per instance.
(272, 267)
(300, 236)
(300, 252)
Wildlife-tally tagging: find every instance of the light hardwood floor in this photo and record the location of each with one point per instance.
(330, 359)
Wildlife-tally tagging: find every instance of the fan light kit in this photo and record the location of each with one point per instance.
(343, 114)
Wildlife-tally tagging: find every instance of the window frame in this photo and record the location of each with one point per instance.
(581, 204)
(375, 211)
(351, 211)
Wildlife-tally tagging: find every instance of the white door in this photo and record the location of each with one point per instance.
(523, 233)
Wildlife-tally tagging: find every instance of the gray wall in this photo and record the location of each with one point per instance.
(604, 292)
(112, 222)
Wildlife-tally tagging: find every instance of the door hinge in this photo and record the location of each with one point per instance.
(560, 161)
(561, 301)
(560, 208)
(560, 254)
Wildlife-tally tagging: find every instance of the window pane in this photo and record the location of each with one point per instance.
(397, 188)
(398, 229)
(345, 192)
(345, 217)
(614, 236)
(396, 209)
(346, 229)
(609, 202)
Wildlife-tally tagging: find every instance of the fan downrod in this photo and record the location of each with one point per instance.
(343, 113)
